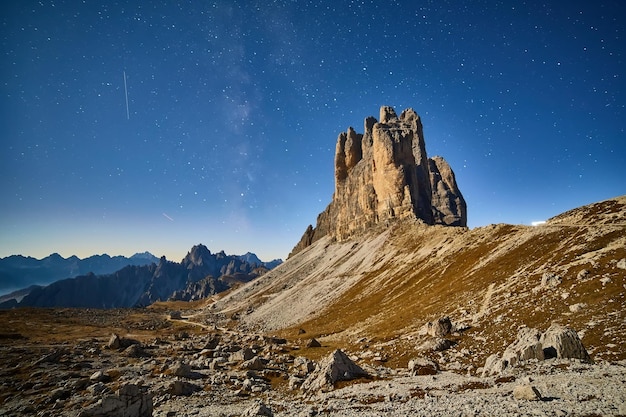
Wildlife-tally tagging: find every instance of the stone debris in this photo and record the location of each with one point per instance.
(202, 380)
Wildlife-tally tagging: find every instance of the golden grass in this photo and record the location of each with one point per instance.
(395, 300)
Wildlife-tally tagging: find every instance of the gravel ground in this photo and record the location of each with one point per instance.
(567, 389)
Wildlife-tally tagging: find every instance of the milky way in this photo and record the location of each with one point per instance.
(155, 126)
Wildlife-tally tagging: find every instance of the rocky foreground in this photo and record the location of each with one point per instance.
(215, 371)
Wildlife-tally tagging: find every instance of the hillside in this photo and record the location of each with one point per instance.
(385, 285)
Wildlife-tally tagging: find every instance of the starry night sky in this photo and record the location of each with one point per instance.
(234, 108)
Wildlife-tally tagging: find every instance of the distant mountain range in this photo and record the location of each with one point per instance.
(17, 271)
(105, 282)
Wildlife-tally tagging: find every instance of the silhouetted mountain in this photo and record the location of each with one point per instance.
(198, 275)
(17, 271)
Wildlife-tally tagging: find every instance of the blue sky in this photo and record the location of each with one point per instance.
(234, 108)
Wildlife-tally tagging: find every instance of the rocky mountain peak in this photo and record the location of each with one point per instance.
(198, 255)
(385, 174)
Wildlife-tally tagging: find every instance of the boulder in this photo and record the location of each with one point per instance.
(182, 369)
(557, 342)
(303, 366)
(128, 401)
(242, 355)
(562, 342)
(437, 344)
(134, 351)
(526, 346)
(575, 308)
(313, 343)
(114, 342)
(183, 388)
(99, 376)
(526, 392)
(440, 328)
(254, 364)
(335, 367)
(550, 280)
(258, 409)
(422, 366)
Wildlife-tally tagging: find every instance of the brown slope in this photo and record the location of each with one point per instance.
(379, 289)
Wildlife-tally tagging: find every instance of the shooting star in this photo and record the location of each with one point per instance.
(168, 217)
(126, 93)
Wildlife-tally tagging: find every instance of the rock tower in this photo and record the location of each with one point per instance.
(385, 174)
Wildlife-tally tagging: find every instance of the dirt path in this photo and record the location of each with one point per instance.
(486, 302)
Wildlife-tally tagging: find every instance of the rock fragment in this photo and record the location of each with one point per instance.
(422, 366)
(313, 343)
(336, 367)
(258, 409)
(129, 401)
(526, 392)
(183, 388)
(550, 280)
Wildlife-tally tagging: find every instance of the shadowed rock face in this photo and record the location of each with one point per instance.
(385, 174)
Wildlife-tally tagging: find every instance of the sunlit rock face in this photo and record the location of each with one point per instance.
(385, 174)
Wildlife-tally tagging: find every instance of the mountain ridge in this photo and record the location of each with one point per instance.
(141, 285)
(19, 271)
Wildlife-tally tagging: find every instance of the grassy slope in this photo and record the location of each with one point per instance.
(436, 271)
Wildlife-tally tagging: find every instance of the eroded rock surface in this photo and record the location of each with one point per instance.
(385, 174)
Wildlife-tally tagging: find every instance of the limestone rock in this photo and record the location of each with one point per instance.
(336, 367)
(449, 206)
(254, 364)
(549, 279)
(575, 308)
(385, 174)
(422, 366)
(440, 328)
(182, 369)
(114, 342)
(562, 342)
(258, 409)
(557, 342)
(526, 392)
(313, 343)
(242, 355)
(183, 388)
(129, 401)
(437, 344)
(526, 346)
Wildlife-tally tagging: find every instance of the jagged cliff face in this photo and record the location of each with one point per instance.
(385, 174)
